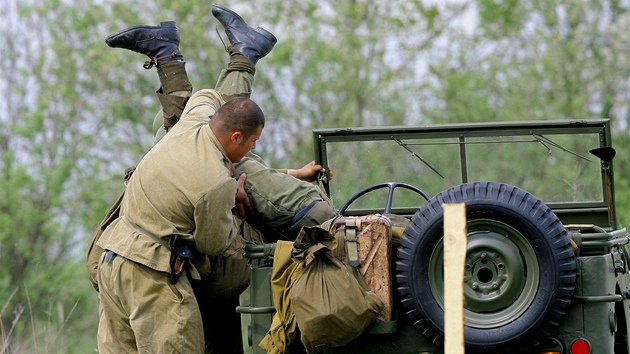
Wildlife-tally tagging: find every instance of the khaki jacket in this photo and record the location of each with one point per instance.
(183, 186)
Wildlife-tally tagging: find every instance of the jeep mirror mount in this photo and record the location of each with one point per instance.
(605, 153)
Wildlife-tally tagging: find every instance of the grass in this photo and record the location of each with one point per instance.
(16, 339)
(5, 334)
(23, 332)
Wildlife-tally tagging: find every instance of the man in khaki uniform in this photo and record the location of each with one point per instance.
(281, 202)
(181, 194)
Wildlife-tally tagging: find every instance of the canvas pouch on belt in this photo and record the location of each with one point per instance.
(365, 242)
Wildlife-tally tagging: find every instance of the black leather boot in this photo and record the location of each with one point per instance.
(159, 43)
(253, 43)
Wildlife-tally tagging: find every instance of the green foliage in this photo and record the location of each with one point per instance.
(499, 17)
(539, 60)
(50, 144)
(622, 180)
(352, 64)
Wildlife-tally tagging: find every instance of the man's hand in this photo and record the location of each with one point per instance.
(309, 172)
(243, 207)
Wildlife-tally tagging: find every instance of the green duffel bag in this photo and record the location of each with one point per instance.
(332, 303)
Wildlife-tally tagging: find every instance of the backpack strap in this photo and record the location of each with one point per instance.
(351, 242)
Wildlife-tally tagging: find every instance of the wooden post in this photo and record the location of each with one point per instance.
(454, 259)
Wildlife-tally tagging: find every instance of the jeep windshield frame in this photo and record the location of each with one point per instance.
(550, 159)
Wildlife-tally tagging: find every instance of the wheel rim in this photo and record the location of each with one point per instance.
(501, 276)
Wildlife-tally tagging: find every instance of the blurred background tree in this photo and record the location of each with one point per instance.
(76, 112)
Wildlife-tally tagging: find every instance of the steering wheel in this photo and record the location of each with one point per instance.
(390, 195)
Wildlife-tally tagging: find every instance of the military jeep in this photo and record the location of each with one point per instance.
(546, 267)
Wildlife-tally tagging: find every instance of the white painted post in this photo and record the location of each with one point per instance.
(454, 259)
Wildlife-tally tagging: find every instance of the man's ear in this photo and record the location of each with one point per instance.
(236, 136)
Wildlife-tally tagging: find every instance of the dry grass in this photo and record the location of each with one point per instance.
(52, 333)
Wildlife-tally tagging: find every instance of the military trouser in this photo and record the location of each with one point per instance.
(230, 84)
(129, 293)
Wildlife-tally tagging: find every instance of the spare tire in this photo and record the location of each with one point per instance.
(520, 270)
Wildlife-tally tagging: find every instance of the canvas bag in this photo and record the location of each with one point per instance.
(331, 302)
(283, 331)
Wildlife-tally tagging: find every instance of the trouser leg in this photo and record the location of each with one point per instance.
(238, 78)
(142, 312)
(115, 334)
(234, 81)
(319, 213)
(175, 91)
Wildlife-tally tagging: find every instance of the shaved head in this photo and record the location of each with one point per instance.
(238, 114)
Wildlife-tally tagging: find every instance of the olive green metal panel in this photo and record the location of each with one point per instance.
(593, 321)
(259, 313)
(406, 340)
